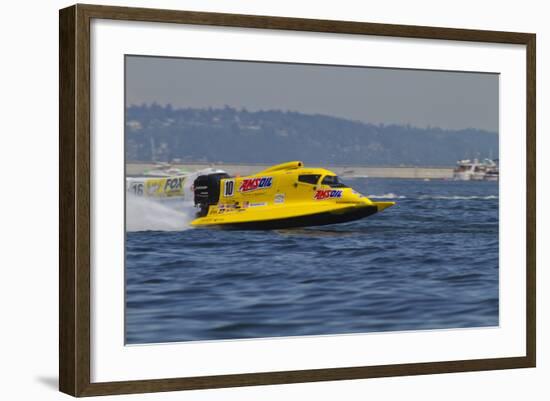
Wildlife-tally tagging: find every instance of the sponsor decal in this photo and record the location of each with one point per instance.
(247, 204)
(227, 207)
(322, 194)
(252, 184)
(279, 198)
(173, 184)
(158, 187)
(152, 189)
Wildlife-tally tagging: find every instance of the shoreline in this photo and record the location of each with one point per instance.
(138, 168)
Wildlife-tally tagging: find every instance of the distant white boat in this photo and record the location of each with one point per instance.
(474, 170)
(162, 169)
(353, 174)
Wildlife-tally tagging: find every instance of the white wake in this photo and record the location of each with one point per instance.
(458, 197)
(435, 197)
(387, 196)
(149, 214)
(162, 214)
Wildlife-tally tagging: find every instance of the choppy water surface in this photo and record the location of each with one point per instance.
(430, 262)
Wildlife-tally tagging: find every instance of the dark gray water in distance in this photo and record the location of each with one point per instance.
(430, 262)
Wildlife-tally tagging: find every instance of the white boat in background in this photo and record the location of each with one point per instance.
(353, 174)
(162, 169)
(475, 170)
(171, 184)
(492, 172)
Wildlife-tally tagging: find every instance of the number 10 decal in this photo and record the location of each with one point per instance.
(228, 188)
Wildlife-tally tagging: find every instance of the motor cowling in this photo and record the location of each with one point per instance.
(206, 190)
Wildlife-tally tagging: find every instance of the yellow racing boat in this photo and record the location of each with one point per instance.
(283, 196)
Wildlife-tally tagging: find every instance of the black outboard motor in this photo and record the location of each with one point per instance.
(207, 190)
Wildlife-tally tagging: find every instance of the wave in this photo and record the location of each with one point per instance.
(434, 197)
(388, 196)
(457, 197)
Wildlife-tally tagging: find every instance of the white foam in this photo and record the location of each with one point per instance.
(387, 196)
(434, 197)
(163, 214)
(457, 197)
(149, 214)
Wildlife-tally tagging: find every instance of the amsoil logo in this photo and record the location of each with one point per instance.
(323, 194)
(252, 184)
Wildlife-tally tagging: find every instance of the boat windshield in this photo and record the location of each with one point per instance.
(333, 181)
(309, 178)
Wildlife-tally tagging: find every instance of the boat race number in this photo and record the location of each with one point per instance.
(228, 188)
(137, 189)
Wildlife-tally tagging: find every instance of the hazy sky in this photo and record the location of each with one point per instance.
(421, 98)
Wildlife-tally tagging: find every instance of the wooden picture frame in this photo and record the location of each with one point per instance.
(75, 208)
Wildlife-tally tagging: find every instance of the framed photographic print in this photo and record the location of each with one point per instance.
(250, 200)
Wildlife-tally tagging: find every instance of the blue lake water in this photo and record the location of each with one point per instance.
(429, 262)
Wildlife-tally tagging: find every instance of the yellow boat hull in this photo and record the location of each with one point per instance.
(279, 217)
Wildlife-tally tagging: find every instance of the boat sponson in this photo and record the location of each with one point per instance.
(317, 219)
